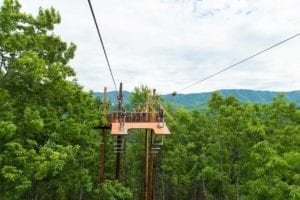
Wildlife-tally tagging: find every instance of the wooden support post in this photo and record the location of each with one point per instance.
(119, 138)
(124, 172)
(149, 160)
(146, 185)
(150, 168)
(149, 156)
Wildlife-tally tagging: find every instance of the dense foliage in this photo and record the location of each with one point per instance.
(49, 149)
(234, 151)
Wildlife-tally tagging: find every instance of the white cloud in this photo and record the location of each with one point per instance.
(169, 44)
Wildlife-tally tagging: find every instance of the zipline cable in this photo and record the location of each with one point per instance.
(235, 64)
(102, 44)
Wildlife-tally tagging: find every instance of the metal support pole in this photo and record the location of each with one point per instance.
(118, 159)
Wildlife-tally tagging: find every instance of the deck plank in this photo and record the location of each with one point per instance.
(115, 130)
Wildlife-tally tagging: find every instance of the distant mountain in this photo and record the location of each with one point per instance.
(199, 100)
(251, 96)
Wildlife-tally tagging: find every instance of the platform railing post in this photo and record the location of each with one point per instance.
(153, 117)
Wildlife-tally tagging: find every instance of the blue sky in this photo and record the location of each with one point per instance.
(169, 44)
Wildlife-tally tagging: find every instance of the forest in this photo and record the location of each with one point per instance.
(49, 148)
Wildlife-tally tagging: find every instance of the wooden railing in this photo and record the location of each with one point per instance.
(133, 117)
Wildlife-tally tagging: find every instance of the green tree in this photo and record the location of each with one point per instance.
(46, 136)
(140, 96)
(113, 190)
(233, 151)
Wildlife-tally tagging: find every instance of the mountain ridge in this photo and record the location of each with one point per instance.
(194, 100)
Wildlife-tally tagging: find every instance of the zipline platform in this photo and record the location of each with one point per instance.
(159, 129)
(146, 117)
(136, 120)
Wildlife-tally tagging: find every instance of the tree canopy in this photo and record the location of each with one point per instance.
(49, 148)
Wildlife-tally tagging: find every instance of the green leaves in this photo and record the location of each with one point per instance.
(113, 190)
(47, 18)
(234, 150)
(46, 137)
(32, 120)
(7, 130)
(10, 173)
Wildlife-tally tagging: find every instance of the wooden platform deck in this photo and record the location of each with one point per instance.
(115, 128)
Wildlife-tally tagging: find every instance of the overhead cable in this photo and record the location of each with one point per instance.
(102, 44)
(235, 64)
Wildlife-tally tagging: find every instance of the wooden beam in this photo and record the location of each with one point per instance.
(115, 129)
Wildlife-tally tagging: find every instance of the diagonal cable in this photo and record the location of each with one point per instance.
(102, 44)
(244, 60)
